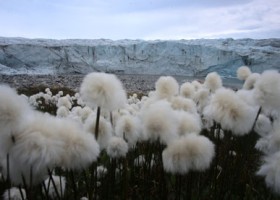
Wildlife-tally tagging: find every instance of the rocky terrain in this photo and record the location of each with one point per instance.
(132, 83)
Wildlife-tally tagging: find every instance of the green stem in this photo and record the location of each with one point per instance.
(125, 179)
(52, 181)
(257, 116)
(74, 184)
(8, 175)
(178, 182)
(97, 122)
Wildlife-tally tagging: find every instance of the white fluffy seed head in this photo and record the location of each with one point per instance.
(45, 142)
(247, 96)
(231, 112)
(80, 147)
(117, 147)
(181, 103)
(101, 171)
(273, 139)
(187, 90)
(128, 127)
(59, 184)
(36, 147)
(103, 90)
(105, 130)
(213, 81)
(188, 123)
(263, 125)
(15, 194)
(191, 152)
(243, 73)
(12, 106)
(201, 95)
(160, 122)
(249, 83)
(85, 113)
(267, 89)
(201, 98)
(62, 111)
(64, 101)
(166, 87)
(270, 170)
(13, 109)
(196, 84)
(77, 110)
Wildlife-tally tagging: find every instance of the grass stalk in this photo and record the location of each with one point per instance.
(74, 184)
(8, 175)
(54, 185)
(256, 118)
(97, 122)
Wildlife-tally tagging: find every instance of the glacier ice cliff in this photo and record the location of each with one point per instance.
(178, 57)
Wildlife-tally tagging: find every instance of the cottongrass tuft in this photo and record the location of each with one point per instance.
(62, 111)
(249, 84)
(267, 89)
(13, 108)
(103, 90)
(59, 185)
(85, 113)
(105, 131)
(264, 145)
(187, 90)
(196, 84)
(160, 122)
(247, 96)
(243, 73)
(139, 161)
(192, 152)
(166, 87)
(79, 146)
(271, 142)
(263, 125)
(101, 171)
(188, 123)
(181, 103)
(213, 81)
(117, 147)
(270, 170)
(64, 101)
(15, 194)
(201, 98)
(231, 112)
(45, 142)
(128, 127)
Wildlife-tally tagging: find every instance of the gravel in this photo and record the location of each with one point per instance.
(132, 83)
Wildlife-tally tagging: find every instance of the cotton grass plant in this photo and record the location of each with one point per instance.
(243, 73)
(102, 90)
(14, 194)
(190, 141)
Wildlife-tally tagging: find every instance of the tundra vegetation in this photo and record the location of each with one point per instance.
(190, 141)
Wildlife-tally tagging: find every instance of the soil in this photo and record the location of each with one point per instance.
(132, 83)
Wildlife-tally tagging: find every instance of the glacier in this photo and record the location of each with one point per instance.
(157, 57)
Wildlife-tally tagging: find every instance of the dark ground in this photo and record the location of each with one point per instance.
(132, 83)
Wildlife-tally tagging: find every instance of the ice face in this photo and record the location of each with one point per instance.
(180, 57)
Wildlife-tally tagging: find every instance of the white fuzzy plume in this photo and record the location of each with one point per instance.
(192, 152)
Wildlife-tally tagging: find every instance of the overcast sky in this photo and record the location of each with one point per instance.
(140, 19)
